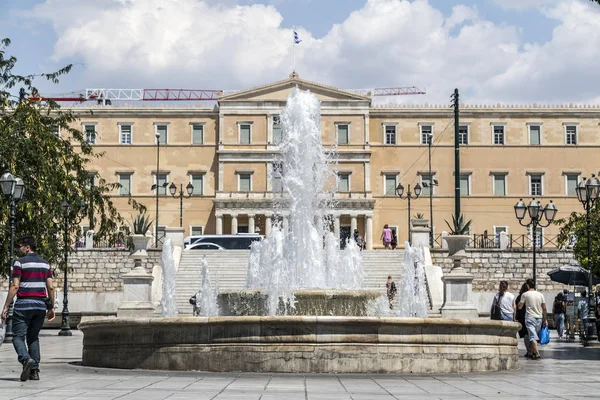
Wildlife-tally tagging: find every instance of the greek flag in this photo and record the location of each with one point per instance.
(296, 38)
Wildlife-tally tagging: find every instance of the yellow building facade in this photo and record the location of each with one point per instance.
(228, 153)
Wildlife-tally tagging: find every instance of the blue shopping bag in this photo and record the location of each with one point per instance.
(544, 335)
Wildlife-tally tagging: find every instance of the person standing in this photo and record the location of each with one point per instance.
(520, 318)
(394, 242)
(391, 291)
(506, 302)
(583, 312)
(386, 237)
(535, 316)
(32, 284)
(558, 312)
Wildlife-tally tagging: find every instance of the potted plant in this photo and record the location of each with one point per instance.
(141, 223)
(459, 234)
(419, 220)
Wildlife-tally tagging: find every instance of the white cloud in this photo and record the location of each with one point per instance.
(214, 44)
(525, 4)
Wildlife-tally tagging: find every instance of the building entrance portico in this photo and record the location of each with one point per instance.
(259, 215)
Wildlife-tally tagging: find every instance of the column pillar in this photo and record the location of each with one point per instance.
(219, 227)
(267, 224)
(336, 228)
(369, 231)
(221, 176)
(367, 176)
(353, 223)
(250, 223)
(234, 225)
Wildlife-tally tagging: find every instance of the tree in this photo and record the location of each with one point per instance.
(573, 232)
(53, 168)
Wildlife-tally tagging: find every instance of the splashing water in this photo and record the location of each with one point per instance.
(206, 298)
(411, 292)
(307, 255)
(168, 303)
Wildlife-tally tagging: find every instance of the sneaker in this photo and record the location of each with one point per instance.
(527, 355)
(35, 375)
(27, 367)
(536, 357)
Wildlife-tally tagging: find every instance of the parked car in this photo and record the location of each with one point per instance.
(204, 246)
(227, 242)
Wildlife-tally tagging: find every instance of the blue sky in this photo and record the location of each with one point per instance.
(493, 50)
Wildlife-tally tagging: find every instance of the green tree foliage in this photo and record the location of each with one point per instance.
(53, 168)
(573, 232)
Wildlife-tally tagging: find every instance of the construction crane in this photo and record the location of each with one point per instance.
(107, 96)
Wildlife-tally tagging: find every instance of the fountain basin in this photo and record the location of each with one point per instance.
(302, 344)
(308, 302)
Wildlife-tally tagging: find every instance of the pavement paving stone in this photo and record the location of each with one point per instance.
(567, 371)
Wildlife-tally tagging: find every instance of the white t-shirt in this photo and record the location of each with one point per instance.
(506, 303)
(533, 304)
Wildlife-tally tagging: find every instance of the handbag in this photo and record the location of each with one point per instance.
(544, 335)
(495, 312)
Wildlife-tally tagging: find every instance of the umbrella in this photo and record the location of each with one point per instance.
(572, 275)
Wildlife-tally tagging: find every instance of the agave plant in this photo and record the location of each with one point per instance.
(141, 223)
(459, 226)
(419, 216)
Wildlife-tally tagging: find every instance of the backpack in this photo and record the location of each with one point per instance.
(495, 312)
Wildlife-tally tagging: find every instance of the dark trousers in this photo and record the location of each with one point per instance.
(26, 327)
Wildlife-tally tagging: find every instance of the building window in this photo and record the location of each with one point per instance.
(197, 134)
(498, 134)
(196, 230)
(499, 181)
(277, 133)
(90, 133)
(465, 184)
(535, 185)
(426, 134)
(56, 131)
(535, 134)
(539, 236)
(277, 176)
(571, 134)
(197, 181)
(163, 131)
(390, 184)
(427, 184)
(497, 231)
(125, 134)
(163, 181)
(125, 184)
(244, 182)
(91, 179)
(343, 134)
(390, 134)
(343, 182)
(245, 131)
(463, 134)
(571, 181)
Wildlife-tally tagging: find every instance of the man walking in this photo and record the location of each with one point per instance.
(535, 316)
(32, 284)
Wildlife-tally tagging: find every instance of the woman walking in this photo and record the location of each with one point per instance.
(386, 236)
(558, 312)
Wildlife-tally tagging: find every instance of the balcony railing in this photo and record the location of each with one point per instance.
(514, 241)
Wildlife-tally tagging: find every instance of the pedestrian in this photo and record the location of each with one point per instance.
(394, 242)
(558, 313)
(535, 316)
(520, 318)
(360, 242)
(506, 301)
(391, 291)
(583, 312)
(570, 315)
(386, 236)
(355, 235)
(32, 284)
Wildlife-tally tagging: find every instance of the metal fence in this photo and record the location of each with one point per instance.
(515, 241)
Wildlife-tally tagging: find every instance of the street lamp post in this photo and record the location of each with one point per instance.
(408, 196)
(173, 190)
(431, 183)
(536, 214)
(155, 186)
(13, 188)
(588, 192)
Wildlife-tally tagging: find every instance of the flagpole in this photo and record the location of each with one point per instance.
(293, 51)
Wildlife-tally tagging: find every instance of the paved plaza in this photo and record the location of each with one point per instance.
(567, 371)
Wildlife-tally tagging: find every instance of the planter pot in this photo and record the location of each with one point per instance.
(418, 223)
(140, 245)
(457, 243)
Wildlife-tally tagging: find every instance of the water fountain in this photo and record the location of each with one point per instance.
(304, 309)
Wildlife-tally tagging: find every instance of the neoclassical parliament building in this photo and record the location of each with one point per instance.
(228, 151)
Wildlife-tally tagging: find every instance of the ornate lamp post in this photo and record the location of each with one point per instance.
(588, 192)
(173, 190)
(408, 196)
(13, 188)
(155, 187)
(536, 214)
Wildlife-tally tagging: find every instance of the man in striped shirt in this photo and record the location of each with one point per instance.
(32, 284)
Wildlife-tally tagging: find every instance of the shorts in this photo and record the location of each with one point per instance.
(534, 326)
